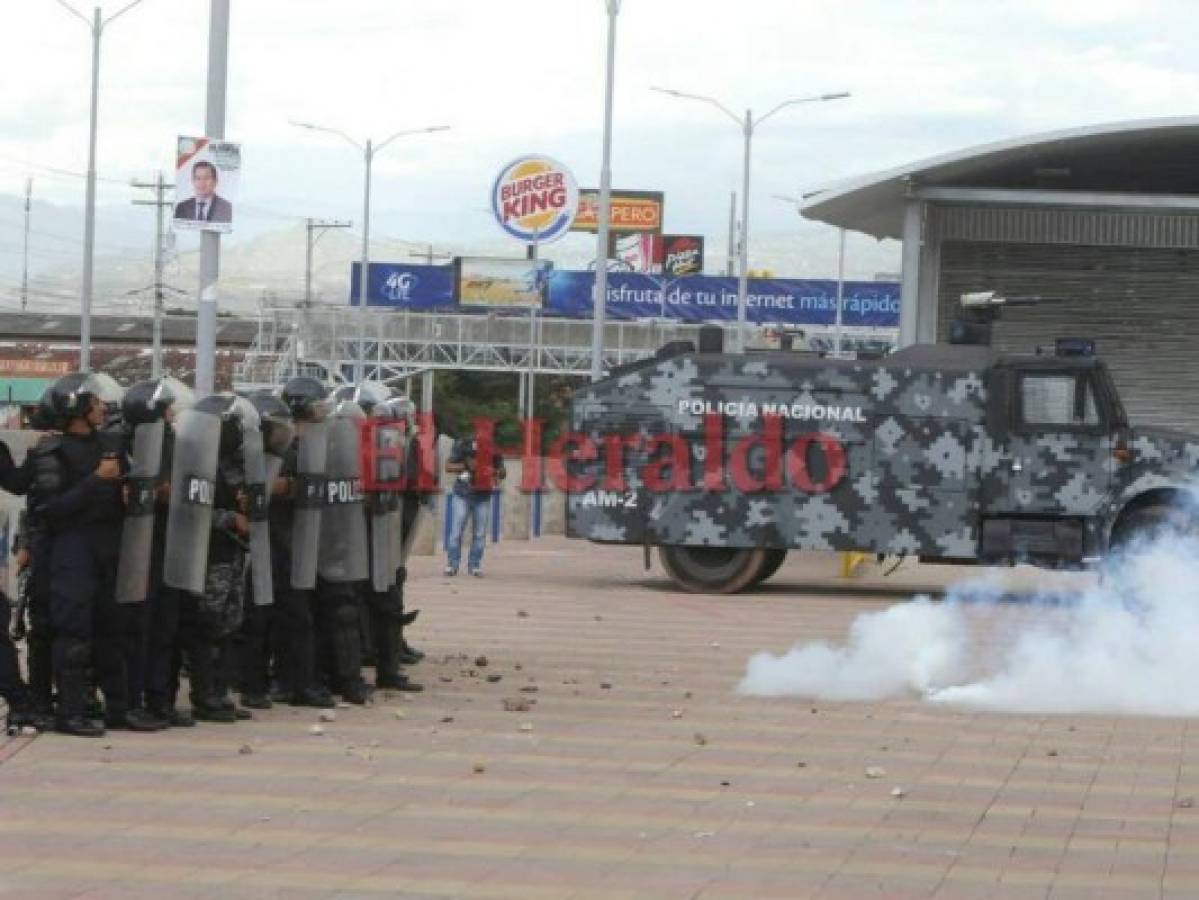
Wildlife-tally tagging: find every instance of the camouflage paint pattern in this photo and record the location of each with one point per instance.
(925, 462)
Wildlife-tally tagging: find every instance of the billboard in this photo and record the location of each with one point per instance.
(207, 176)
(704, 298)
(630, 211)
(502, 283)
(682, 254)
(534, 199)
(635, 252)
(406, 286)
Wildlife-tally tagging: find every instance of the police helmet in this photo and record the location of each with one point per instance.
(148, 401)
(276, 422)
(370, 394)
(71, 396)
(306, 398)
(235, 414)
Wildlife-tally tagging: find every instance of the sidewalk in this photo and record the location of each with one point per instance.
(633, 771)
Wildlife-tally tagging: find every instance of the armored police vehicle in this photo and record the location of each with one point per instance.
(950, 453)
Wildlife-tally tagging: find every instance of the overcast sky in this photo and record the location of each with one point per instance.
(517, 76)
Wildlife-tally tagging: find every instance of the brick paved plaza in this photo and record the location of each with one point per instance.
(635, 770)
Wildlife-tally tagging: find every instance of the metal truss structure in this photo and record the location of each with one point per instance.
(323, 342)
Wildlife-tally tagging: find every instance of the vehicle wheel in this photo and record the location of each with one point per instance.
(712, 570)
(771, 563)
(1152, 522)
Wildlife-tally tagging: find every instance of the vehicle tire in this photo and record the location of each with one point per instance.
(771, 563)
(1152, 522)
(712, 570)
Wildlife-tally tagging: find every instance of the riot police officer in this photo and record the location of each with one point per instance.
(257, 635)
(166, 630)
(207, 533)
(295, 521)
(83, 511)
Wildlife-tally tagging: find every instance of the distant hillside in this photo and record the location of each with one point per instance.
(270, 263)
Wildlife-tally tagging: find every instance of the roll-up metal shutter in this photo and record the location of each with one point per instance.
(1140, 304)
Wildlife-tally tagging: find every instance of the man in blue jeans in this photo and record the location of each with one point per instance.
(470, 501)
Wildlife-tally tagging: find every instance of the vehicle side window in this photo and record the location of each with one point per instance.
(1058, 399)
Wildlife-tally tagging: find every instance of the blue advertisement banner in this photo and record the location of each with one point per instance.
(407, 286)
(702, 298)
(689, 298)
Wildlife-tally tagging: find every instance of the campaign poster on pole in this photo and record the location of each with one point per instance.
(207, 178)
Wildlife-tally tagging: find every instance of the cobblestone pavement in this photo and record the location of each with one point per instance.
(624, 765)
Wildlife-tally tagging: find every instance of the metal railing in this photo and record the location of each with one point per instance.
(324, 342)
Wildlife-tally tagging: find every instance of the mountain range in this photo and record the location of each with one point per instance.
(265, 259)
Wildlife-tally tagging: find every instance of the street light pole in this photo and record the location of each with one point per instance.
(210, 241)
(748, 126)
(364, 276)
(369, 151)
(96, 25)
(743, 265)
(600, 300)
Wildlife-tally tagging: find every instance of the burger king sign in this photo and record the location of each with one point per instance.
(534, 199)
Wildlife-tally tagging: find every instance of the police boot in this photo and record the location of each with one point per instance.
(72, 693)
(256, 701)
(356, 691)
(206, 705)
(347, 650)
(397, 681)
(21, 714)
(317, 697)
(175, 718)
(135, 720)
(41, 673)
(407, 655)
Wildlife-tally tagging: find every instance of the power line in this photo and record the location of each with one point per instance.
(55, 170)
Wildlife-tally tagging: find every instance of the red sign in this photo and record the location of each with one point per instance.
(682, 254)
(34, 368)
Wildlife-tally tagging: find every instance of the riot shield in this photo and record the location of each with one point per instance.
(343, 547)
(137, 535)
(414, 506)
(312, 449)
(193, 488)
(257, 491)
(385, 525)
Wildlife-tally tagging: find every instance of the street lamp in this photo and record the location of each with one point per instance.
(368, 154)
(96, 25)
(747, 125)
(600, 301)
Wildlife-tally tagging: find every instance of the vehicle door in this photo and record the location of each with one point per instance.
(1056, 458)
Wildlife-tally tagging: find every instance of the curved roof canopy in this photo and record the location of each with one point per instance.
(1147, 156)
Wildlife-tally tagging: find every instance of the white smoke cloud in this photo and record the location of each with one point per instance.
(1129, 644)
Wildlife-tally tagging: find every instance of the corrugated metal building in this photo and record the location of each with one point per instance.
(1099, 224)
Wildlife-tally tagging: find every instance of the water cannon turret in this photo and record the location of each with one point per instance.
(980, 310)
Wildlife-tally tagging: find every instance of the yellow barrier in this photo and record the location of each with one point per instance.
(851, 561)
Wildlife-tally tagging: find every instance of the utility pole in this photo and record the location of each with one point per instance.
(430, 255)
(210, 241)
(730, 268)
(96, 25)
(315, 229)
(369, 150)
(600, 297)
(25, 250)
(160, 187)
(748, 126)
